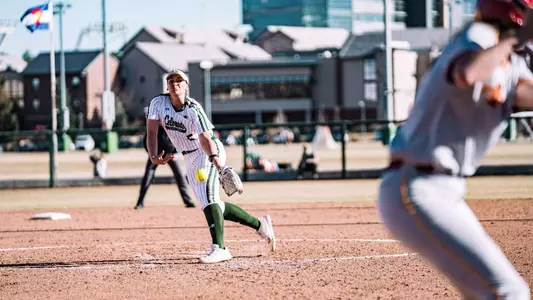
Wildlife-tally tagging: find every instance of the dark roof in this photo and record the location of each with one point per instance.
(75, 62)
(418, 39)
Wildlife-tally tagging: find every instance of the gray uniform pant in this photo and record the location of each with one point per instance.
(427, 212)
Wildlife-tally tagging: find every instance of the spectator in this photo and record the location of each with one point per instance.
(254, 161)
(98, 158)
(308, 163)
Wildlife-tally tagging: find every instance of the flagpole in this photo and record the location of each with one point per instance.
(53, 151)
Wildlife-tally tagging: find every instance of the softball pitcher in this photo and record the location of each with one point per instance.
(460, 112)
(190, 131)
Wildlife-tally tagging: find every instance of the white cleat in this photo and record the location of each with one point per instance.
(216, 255)
(266, 231)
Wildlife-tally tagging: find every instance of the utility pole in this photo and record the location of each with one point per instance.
(59, 9)
(108, 98)
(389, 89)
(429, 13)
(53, 150)
(207, 65)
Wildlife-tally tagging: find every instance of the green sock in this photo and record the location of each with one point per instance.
(236, 214)
(215, 221)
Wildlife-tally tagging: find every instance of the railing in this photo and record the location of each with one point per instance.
(338, 128)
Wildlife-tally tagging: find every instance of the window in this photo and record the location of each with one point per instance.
(142, 79)
(370, 69)
(254, 87)
(371, 93)
(36, 83)
(36, 104)
(370, 77)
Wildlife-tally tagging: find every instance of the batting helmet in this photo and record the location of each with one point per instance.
(503, 10)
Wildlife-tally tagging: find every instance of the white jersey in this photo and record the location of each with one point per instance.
(453, 128)
(182, 126)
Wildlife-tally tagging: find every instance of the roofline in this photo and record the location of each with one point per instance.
(101, 53)
(375, 50)
(148, 56)
(24, 72)
(346, 45)
(127, 44)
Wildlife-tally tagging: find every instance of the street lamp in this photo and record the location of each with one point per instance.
(389, 88)
(362, 107)
(207, 65)
(451, 4)
(59, 9)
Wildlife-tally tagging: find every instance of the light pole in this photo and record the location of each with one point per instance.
(389, 89)
(108, 98)
(429, 13)
(451, 5)
(362, 107)
(59, 9)
(450, 16)
(207, 65)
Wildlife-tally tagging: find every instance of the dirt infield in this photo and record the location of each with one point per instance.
(328, 248)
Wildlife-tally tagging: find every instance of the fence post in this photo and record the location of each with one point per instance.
(344, 129)
(245, 136)
(52, 154)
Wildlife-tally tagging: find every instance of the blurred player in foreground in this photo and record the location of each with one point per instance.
(460, 112)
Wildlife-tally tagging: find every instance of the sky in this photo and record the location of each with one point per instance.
(134, 14)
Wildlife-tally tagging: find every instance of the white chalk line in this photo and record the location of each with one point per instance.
(234, 263)
(193, 242)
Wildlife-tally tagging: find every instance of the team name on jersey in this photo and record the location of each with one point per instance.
(170, 124)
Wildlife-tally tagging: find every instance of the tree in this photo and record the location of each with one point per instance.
(26, 56)
(121, 118)
(8, 119)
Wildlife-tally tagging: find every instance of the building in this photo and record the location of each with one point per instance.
(232, 42)
(301, 41)
(154, 51)
(11, 68)
(254, 91)
(143, 68)
(368, 16)
(316, 13)
(346, 85)
(443, 13)
(363, 60)
(84, 82)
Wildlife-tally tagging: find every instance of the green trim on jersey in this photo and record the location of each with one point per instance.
(210, 186)
(203, 119)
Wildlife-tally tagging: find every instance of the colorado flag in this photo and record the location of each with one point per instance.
(37, 17)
